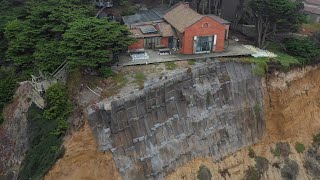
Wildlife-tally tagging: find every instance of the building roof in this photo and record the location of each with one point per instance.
(142, 16)
(181, 16)
(137, 32)
(166, 29)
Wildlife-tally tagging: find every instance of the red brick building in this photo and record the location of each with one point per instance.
(181, 28)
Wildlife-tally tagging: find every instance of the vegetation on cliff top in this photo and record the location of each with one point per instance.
(46, 128)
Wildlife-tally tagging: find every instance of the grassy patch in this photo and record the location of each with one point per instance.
(139, 79)
(284, 59)
(170, 65)
(311, 27)
(299, 147)
(191, 62)
(119, 81)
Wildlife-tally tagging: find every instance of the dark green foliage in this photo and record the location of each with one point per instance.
(8, 85)
(302, 47)
(9, 10)
(299, 147)
(251, 153)
(290, 170)
(58, 107)
(204, 173)
(45, 129)
(106, 71)
(45, 147)
(35, 40)
(90, 42)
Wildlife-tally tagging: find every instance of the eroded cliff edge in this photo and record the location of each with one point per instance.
(210, 110)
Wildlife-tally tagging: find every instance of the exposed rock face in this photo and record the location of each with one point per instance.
(211, 111)
(13, 133)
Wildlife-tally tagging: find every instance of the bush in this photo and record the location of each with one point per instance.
(262, 164)
(302, 47)
(290, 170)
(282, 149)
(204, 173)
(299, 147)
(106, 72)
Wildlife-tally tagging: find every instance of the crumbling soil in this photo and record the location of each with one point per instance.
(82, 160)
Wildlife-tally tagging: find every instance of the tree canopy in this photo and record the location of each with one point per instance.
(91, 42)
(35, 40)
(275, 15)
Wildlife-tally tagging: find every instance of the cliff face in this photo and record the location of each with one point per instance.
(13, 133)
(212, 110)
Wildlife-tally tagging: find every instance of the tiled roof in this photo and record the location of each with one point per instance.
(181, 16)
(166, 29)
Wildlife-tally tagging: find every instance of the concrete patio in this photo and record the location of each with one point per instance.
(232, 50)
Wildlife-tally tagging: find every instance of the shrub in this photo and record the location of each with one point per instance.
(302, 47)
(290, 170)
(204, 173)
(282, 149)
(106, 71)
(251, 153)
(170, 65)
(262, 164)
(299, 147)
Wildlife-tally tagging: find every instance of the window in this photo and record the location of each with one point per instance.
(205, 25)
(203, 44)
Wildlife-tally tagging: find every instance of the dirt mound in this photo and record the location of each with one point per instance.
(82, 160)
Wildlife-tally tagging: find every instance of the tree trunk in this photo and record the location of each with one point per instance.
(209, 6)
